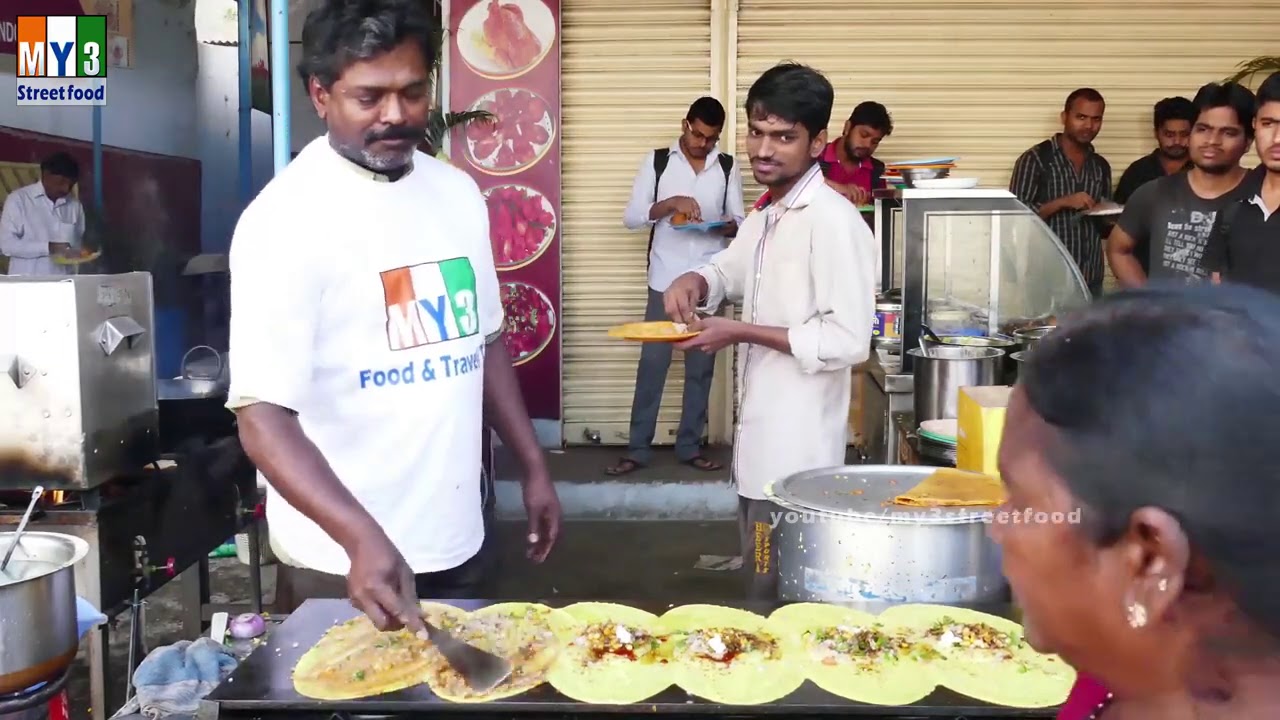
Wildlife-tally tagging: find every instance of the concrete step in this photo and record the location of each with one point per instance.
(665, 490)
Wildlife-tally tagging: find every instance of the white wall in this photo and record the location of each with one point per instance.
(217, 96)
(150, 107)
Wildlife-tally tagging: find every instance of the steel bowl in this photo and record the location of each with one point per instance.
(1028, 338)
(911, 175)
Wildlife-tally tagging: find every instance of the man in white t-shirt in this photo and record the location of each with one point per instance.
(366, 337)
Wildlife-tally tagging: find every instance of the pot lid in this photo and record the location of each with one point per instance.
(866, 492)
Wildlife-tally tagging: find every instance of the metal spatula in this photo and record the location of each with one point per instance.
(481, 670)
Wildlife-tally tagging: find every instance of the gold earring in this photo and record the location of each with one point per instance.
(1137, 616)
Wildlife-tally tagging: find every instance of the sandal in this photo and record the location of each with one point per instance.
(703, 464)
(625, 467)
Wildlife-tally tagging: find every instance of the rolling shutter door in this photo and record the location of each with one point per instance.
(985, 81)
(629, 71)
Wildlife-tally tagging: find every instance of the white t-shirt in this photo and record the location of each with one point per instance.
(365, 306)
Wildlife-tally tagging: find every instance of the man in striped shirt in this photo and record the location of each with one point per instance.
(1063, 176)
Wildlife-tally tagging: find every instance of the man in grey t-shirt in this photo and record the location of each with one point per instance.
(1174, 215)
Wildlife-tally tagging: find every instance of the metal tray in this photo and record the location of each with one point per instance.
(261, 686)
(865, 493)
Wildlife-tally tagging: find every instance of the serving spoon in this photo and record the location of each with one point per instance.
(22, 525)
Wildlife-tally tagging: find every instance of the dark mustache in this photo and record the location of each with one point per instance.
(396, 132)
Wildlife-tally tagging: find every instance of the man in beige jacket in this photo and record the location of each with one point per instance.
(803, 270)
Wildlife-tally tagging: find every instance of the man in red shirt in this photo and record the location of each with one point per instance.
(848, 161)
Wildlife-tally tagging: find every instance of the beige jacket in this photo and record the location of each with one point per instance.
(808, 264)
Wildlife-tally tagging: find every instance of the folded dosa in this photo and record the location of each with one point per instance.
(954, 488)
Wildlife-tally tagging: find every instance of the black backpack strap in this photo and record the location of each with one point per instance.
(1044, 151)
(660, 158)
(726, 164)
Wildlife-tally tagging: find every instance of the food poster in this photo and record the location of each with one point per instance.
(504, 57)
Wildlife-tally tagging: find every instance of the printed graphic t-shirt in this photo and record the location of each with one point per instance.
(365, 307)
(1177, 222)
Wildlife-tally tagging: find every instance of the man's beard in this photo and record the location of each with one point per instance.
(1220, 169)
(1176, 153)
(851, 151)
(364, 156)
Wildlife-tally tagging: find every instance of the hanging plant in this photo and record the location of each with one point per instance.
(1245, 71)
(440, 121)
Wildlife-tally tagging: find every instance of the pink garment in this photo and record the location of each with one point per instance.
(1084, 699)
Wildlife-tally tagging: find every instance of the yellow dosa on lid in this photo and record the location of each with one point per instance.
(954, 488)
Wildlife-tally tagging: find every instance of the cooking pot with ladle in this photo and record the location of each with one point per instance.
(38, 608)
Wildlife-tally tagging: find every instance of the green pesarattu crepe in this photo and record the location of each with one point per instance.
(856, 655)
(355, 660)
(730, 656)
(613, 654)
(986, 657)
(527, 634)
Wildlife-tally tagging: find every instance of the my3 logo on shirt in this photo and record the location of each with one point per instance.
(430, 303)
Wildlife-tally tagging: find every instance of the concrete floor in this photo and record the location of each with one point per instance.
(601, 560)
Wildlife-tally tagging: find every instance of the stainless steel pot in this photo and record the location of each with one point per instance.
(1028, 338)
(941, 373)
(841, 539)
(38, 632)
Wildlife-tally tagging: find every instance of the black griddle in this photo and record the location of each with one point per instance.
(261, 687)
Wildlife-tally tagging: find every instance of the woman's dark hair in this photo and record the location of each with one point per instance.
(342, 32)
(873, 115)
(1174, 108)
(793, 93)
(708, 111)
(62, 165)
(1169, 397)
(1232, 95)
(1269, 90)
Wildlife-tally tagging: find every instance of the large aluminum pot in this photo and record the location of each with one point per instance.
(945, 369)
(840, 538)
(38, 632)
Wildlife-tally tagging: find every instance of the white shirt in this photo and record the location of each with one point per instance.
(676, 252)
(814, 275)
(30, 222)
(366, 307)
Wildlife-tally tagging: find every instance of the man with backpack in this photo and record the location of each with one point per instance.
(690, 182)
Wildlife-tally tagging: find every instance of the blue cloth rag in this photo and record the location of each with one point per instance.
(87, 616)
(175, 678)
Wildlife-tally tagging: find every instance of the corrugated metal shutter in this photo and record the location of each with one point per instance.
(629, 71)
(986, 80)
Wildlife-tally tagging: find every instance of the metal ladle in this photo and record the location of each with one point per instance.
(22, 525)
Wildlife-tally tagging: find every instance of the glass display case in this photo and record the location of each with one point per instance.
(972, 262)
(965, 262)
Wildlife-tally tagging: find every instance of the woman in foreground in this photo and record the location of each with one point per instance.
(1157, 411)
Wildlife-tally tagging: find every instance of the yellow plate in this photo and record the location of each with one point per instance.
(657, 331)
(61, 260)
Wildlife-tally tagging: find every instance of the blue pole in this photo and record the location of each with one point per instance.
(245, 47)
(280, 83)
(97, 157)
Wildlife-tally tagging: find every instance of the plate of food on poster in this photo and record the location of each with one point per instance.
(502, 39)
(530, 321)
(522, 223)
(518, 137)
